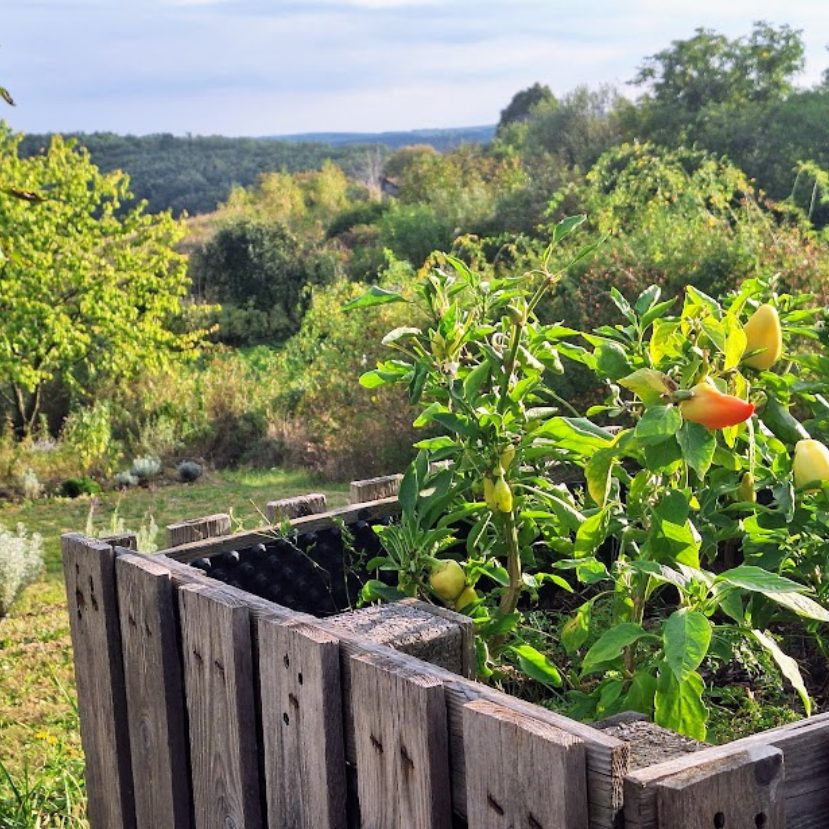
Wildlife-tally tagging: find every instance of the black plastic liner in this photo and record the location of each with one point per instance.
(313, 572)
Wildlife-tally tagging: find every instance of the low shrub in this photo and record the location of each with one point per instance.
(146, 468)
(189, 471)
(75, 487)
(21, 562)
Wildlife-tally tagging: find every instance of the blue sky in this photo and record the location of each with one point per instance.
(251, 67)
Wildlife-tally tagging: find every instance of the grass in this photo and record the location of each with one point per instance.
(41, 760)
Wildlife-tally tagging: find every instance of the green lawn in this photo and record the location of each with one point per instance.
(40, 752)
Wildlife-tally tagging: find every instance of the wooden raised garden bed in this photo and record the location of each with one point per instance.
(221, 685)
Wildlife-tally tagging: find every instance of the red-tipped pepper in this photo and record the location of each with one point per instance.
(713, 409)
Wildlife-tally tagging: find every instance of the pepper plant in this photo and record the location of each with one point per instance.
(665, 542)
(478, 373)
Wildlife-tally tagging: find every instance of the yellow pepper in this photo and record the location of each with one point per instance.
(507, 457)
(763, 335)
(746, 490)
(502, 495)
(489, 493)
(448, 580)
(466, 598)
(811, 462)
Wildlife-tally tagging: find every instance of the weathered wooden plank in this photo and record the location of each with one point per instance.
(198, 529)
(742, 791)
(298, 507)
(302, 726)
(219, 684)
(89, 573)
(374, 489)
(310, 523)
(521, 772)
(402, 748)
(607, 757)
(805, 747)
(155, 693)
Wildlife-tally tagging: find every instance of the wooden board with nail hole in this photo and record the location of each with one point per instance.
(89, 573)
(521, 772)
(155, 693)
(218, 675)
(401, 741)
(302, 725)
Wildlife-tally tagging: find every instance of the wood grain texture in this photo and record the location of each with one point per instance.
(198, 529)
(298, 507)
(521, 773)
(89, 573)
(402, 747)
(805, 788)
(302, 726)
(129, 541)
(469, 664)
(607, 757)
(310, 523)
(374, 489)
(219, 685)
(742, 791)
(155, 693)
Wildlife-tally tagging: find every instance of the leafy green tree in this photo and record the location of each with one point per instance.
(693, 77)
(86, 295)
(523, 103)
(263, 269)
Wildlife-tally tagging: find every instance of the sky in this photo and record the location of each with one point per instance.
(280, 67)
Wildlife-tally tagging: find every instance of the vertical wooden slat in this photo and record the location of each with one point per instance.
(302, 725)
(219, 684)
(155, 694)
(402, 747)
(198, 529)
(521, 772)
(89, 573)
(742, 791)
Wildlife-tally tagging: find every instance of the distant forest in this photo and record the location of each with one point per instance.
(196, 173)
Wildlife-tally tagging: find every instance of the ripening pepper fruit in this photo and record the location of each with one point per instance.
(502, 495)
(811, 462)
(507, 457)
(745, 491)
(713, 409)
(448, 580)
(466, 598)
(489, 493)
(763, 332)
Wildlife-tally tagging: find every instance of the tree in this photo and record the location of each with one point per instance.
(711, 69)
(523, 103)
(86, 295)
(259, 271)
(693, 77)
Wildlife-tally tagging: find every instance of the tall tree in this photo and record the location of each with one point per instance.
(85, 294)
(523, 103)
(709, 71)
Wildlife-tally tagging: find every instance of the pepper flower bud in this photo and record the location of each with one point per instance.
(811, 462)
(763, 335)
(713, 409)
